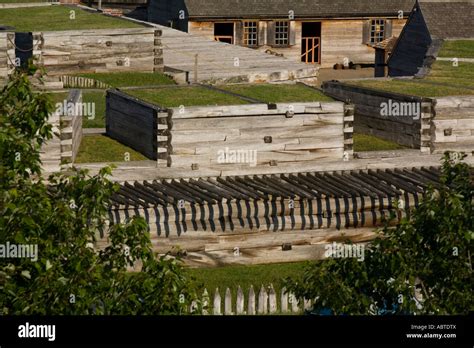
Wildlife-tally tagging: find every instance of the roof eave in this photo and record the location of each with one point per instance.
(268, 17)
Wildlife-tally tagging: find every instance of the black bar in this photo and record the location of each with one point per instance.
(225, 330)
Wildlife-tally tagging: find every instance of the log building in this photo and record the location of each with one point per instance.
(323, 32)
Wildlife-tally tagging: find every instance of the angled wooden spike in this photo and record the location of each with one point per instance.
(205, 302)
(217, 303)
(272, 300)
(294, 303)
(261, 299)
(284, 300)
(251, 301)
(239, 307)
(228, 302)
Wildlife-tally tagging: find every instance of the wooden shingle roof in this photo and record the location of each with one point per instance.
(449, 19)
(301, 8)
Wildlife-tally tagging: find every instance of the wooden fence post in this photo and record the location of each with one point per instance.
(217, 303)
(272, 300)
(262, 299)
(265, 302)
(205, 302)
(251, 301)
(294, 303)
(284, 300)
(307, 304)
(228, 302)
(196, 57)
(239, 308)
(193, 307)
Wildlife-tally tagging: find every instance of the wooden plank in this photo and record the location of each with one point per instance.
(255, 256)
(320, 143)
(212, 148)
(256, 109)
(255, 121)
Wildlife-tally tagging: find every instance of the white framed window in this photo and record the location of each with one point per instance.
(250, 33)
(377, 30)
(282, 31)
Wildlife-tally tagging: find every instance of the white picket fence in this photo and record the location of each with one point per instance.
(263, 303)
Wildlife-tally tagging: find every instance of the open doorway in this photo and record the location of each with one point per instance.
(311, 42)
(224, 32)
(23, 49)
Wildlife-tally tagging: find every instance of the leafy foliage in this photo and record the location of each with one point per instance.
(65, 218)
(429, 254)
(24, 128)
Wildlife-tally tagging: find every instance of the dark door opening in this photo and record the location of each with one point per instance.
(224, 32)
(380, 62)
(311, 42)
(23, 49)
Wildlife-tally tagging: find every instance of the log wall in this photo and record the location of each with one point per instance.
(132, 122)
(92, 51)
(444, 124)
(71, 130)
(262, 135)
(235, 138)
(403, 130)
(67, 136)
(452, 125)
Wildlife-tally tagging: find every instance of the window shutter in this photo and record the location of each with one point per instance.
(238, 33)
(388, 28)
(271, 33)
(262, 39)
(292, 33)
(366, 33)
